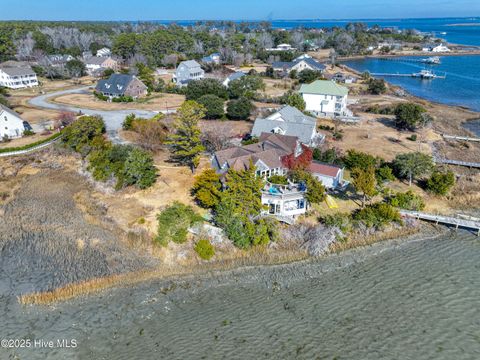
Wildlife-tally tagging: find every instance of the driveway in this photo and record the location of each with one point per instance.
(113, 119)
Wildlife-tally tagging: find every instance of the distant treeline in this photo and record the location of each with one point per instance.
(156, 44)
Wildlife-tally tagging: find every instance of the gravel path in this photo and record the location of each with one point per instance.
(113, 119)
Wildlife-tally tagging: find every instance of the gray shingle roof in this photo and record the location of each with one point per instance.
(115, 84)
(190, 64)
(288, 65)
(10, 111)
(14, 68)
(290, 121)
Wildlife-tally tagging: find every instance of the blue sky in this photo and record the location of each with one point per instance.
(232, 9)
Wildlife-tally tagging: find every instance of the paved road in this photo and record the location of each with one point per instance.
(113, 119)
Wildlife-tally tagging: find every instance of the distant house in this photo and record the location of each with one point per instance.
(188, 71)
(17, 75)
(95, 65)
(59, 60)
(104, 52)
(325, 97)
(234, 76)
(212, 59)
(301, 63)
(121, 85)
(11, 124)
(331, 176)
(341, 77)
(436, 48)
(282, 47)
(292, 122)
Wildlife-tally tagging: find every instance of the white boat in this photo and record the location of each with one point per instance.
(425, 74)
(433, 60)
(443, 33)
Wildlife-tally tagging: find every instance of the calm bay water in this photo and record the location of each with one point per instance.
(410, 300)
(460, 87)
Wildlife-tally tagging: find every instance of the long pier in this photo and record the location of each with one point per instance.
(457, 162)
(408, 75)
(460, 138)
(440, 219)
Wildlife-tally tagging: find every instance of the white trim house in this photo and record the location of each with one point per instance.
(325, 98)
(188, 71)
(17, 75)
(11, 124)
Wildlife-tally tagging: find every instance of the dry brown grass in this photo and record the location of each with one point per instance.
(155, 102)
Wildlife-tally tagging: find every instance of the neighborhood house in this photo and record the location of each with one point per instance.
(331, 176)
(96, 65)
(234, 76)
(104, 52)
(188, 71)
(121, 85)
(282, 47)
(11, 124)
(303, 62)
(59, 60)
(212, 59)
(325, 98)
(17, 75)
(292, 122)
(285, 202)
(436, 48)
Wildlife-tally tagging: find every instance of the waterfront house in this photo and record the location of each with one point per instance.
(292, 122)
(96, 65)
(325, 98)
(17, 75)
(11, 124)
(285, 202)
(104, 52)
(231, 77)
(331, 176)
(212, 59)
(121, 85)
(302, 62)
(436, 48)
(188, 71)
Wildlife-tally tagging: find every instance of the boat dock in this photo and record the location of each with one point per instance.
(441, 219)
(457, 162)
(421, 75)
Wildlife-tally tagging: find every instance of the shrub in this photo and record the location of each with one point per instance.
(207, 188)
(376, 86)
(377, 215)
(358, 159)
(139, 169)
(278, 179)
(343, 221)
(213, 106)
(410, 116)
(384, 174)
(239, 109)
(307, 76)
(120, 99)
(408, 201)
(204, 249)
(79, 135)
(198, 88)
(413, 137)
(173, 223)
(293, 99)
(29, 146)
(128, 122)
(100, 96)
(28, 133)
(440, 183)
(245, 87)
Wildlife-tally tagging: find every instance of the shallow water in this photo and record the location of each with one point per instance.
(398, 300)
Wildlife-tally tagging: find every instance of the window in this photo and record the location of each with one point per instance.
(5, 118)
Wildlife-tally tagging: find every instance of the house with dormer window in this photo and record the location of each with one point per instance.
(121, 85)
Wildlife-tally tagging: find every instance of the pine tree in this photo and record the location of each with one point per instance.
(186, 144)
(364, 181)
(207, 188)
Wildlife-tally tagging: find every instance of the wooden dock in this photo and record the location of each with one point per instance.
(441, 219)
(457, 162)
(460, 138)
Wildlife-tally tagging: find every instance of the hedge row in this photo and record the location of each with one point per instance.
(32, 145)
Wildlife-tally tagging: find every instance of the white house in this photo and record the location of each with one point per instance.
(11, 124)
(282, 47)
(234, 76)
(285, 202)
(212, 59)
(331, 176)
(17, 75)
(325, 98)
(302, 62)
(436, 48)
(104, 52)
(188, 71)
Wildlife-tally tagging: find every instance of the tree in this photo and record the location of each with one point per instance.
(365, 182)
(145, 74)
(413, 165)
(207, 189)
(125, 45)
(198, 88)
(186, 144)
(173, 223)
(108, 72)
(300, 162)
(440, 182)
(307, 76)
(357, 159)
(79, 135)
(377, 86)
(410, 116)
(213, 106)
(128, 122)
(293, 99)
(75, 68)
(315, 189)
(239, 109)
(140, 169)
(245, 87)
